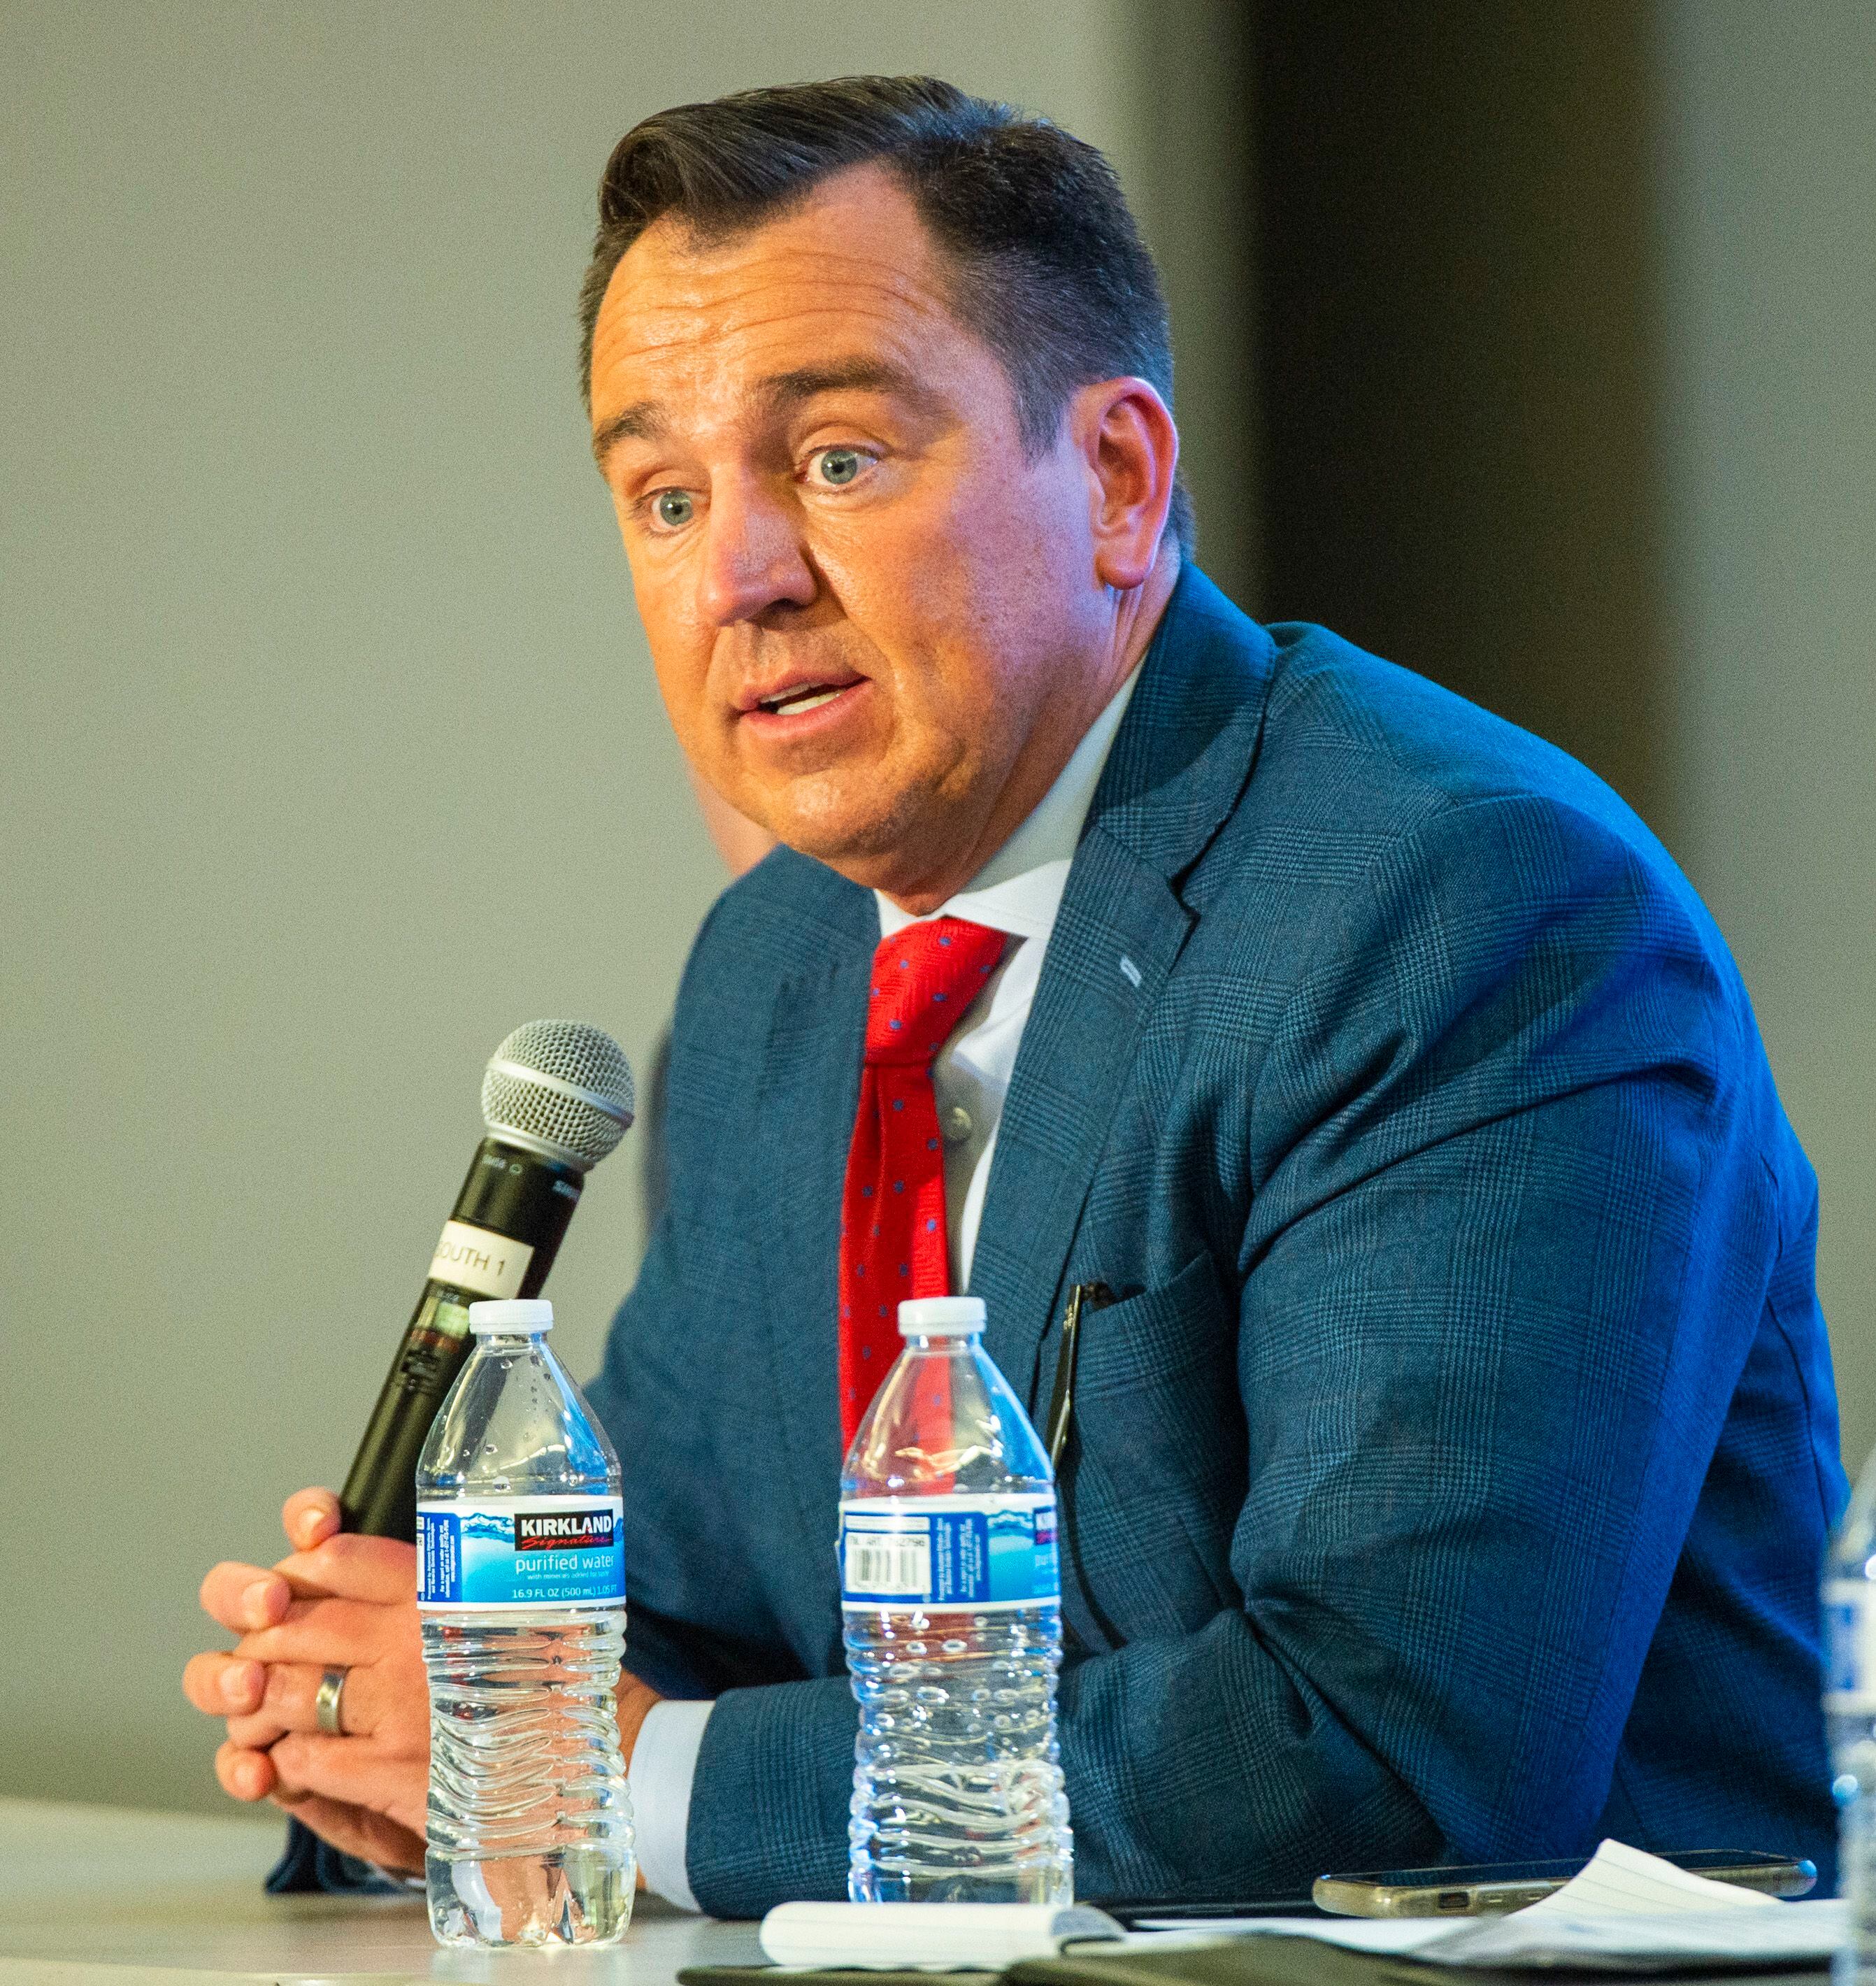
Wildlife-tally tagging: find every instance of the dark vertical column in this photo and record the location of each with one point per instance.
(1454, 340)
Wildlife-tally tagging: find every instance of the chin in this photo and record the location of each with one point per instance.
(858, 842)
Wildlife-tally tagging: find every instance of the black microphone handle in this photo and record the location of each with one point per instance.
(513, 1200)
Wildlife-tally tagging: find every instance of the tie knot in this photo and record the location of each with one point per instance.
(923, 977)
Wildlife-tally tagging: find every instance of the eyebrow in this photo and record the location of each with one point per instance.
(779, 393)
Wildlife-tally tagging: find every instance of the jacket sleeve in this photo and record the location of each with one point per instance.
(1504, 1257)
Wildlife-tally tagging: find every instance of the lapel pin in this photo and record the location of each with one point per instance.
(1130, 971)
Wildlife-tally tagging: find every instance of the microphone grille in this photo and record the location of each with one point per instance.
(559, 1088)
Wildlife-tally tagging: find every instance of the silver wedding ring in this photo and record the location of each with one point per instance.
(328, 1702)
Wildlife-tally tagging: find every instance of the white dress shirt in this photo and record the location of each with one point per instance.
(1018, 890)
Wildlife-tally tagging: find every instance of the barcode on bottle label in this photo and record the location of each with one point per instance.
(985, 1552)
(515, 1552)
(882, 1565)
(1850, 1647)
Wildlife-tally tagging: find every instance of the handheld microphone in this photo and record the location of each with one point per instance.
(557, 1097)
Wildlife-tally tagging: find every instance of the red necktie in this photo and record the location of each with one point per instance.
(892, 1237)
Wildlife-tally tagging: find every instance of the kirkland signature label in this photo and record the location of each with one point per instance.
(1849, 1647)
(521, 1551)
(988, 1553)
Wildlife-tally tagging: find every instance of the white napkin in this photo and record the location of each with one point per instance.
(927, 1938)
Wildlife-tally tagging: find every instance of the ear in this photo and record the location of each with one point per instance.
(1124, 433)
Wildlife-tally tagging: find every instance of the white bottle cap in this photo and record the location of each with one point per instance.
(515, 1315)
(940, 1317)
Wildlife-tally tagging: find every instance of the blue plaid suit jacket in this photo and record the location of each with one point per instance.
(1451, 1482)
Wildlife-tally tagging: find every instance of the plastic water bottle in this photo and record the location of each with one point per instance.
(521, 1589)
(951, 1601)
(1850, 1717)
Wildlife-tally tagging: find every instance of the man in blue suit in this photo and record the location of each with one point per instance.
(1449, 1480)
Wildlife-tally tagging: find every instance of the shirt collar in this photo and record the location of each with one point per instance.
(1019, 889)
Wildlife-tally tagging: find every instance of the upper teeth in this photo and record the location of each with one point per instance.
(799, 700)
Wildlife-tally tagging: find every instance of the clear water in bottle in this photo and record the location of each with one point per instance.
(1849, 1719)
(522, 1594)
(950, 1598)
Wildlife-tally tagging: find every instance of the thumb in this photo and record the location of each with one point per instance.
(309, 1517)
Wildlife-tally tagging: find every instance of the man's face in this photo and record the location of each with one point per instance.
(864, 605)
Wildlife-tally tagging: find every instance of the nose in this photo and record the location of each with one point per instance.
(753, 559)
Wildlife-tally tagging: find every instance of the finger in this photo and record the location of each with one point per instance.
(243, 1597)
(357, 1830)
(384, 1569)
(291, 1703)
(333, 1634)
(223, 1686)
(349, 1770)
(248, 1774)
(309, 1517)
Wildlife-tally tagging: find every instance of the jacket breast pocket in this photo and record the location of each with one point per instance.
(1154, 1478)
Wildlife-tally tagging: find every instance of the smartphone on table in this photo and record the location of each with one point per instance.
(1487, 1888)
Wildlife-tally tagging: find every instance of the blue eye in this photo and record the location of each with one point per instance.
(840, 465)
(674, 508)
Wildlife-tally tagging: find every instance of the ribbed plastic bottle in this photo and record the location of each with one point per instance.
(1850, 1720)
(521, 1589)
(951, 1603)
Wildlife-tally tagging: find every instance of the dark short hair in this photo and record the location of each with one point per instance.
(1047, 268)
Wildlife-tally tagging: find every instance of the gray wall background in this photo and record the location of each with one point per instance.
(331, 749)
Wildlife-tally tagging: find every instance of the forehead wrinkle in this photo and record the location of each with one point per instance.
(700, 361)
(689, 318)
(683, 298)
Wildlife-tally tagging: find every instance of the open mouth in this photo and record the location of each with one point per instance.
(804, 697)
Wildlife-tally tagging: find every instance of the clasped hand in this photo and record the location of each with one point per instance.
(336, 1601)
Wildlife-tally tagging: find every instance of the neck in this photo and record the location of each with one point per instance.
(1050, 745)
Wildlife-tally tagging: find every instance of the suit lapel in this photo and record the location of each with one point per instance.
(1182, 756)
(1118, 930)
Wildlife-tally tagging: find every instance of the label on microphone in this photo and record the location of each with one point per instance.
(509, 1552)
(986, 1553)
(479, 1260)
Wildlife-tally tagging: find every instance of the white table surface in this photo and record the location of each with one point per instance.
(95, 1896)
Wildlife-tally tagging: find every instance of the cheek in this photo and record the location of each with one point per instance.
(680, 647)
(683, 675)
(942, 586)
